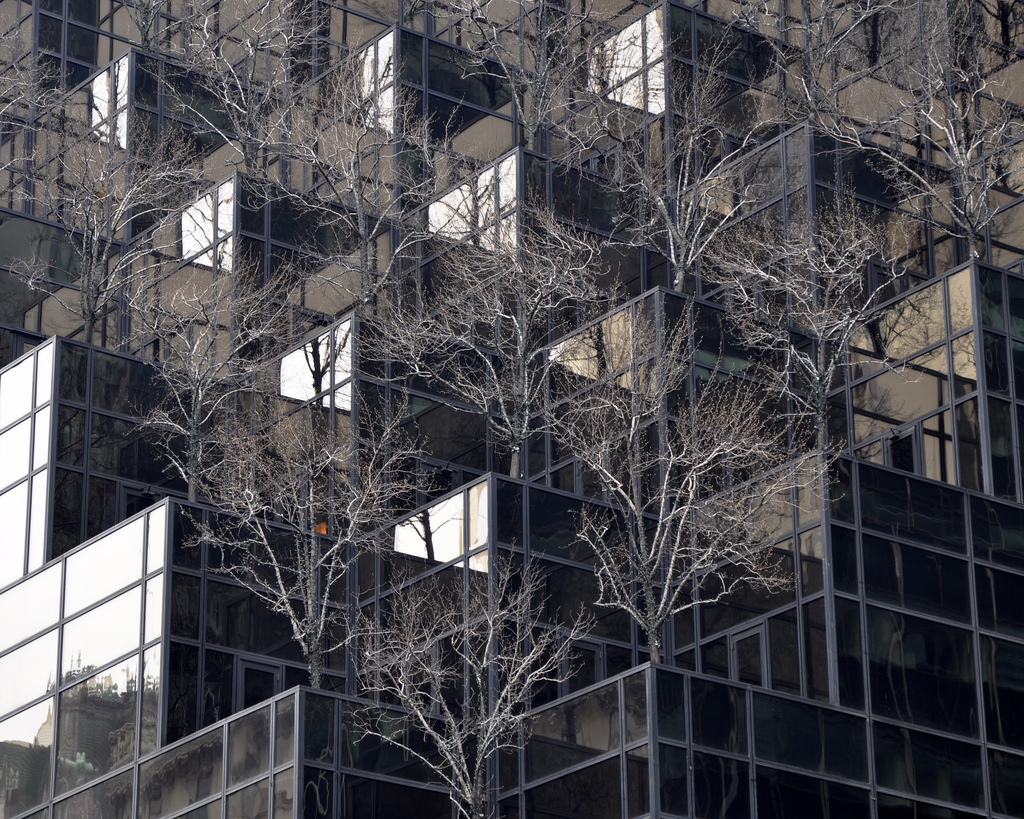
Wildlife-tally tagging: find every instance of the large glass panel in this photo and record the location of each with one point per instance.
(252, 802)
(910, 508)
(896, 807)
(181, 777)
(104, 566)
(28, 672)
(152, 680)
(784, 795)
(921, 672)
(101, 635)
(37, 521)
(999, 600)
(928, 765)
(16, 391)
(634, 691)
(110, 799)
(284, 731)
(671, 704)
(97, 725)
(1003, 676)
(319, 724)
(1006, 775)
(795, 733)
(44, 373)
(41, 433)
(15, 447)
(30, 606)
(672, 787)
(594, 792)
(25, 742)
(154, 608)
(157, 539)
(849, 664)
(721, 788)
(14, 514)
(249, 746)
(182, 690)
(435, 533)
(998, 531)
(916, 579)
(284, 794)
(719, 716)
(569, 733)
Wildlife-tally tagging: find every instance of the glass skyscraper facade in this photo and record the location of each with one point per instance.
(140, 677)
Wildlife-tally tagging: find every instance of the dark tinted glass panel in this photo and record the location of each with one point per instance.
(928, 765)
(510, 513)
(319, 721)
(188, 774)
(371, 798)
(896, 807)
(638, 795)
(284, 731)
(594, 792)
(97, 725)
(997, 370)
(74, 372)
(999, 600)
(721, 788)
(844, 559)
(569, 591)
(672, 783)
(634, 692)
(748, 659)
(67, 511)
(1004, 469)
(182, 690)
(719, 716)
(671, 705)
(110, 799)
(784, 650)
(714, 657)
(111, 448)
(218, 685)
(849, 659)
(1006, 775)
(579, 729)
(910, 508)
(921, 672)
(991, 298)
(916, 579)
(102, 509)
(1003, 689)
(71, 436)
(49, 33)
(998, 531)
(553, 525)
(121, 385)
(185, 606)
(816, 650)
(783, 795)
(802, 735)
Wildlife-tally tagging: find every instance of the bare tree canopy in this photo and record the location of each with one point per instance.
(463, 655)
(675, 457)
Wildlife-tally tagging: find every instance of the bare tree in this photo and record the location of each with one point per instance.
(209, 333)
(328, 490)
(112, 191)
(802, 297)
(688, 466)
(540, 51)
(464, 659)
(483, 332)
(683, 169)
(926, 92)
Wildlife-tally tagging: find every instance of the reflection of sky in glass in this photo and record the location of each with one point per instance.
(15, 445)
(157, 539)
(103, 567)
(33, 726)
(30, 606)
(28, 672)
(41, 448)
(101, 635)
(479, 204)
(44, 373)
(308, 371)
(437, 533)
(14, 515)
(16, 392)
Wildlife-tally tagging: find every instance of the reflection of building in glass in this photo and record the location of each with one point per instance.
(139, 678)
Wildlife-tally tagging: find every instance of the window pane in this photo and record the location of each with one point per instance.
(26, 740)
(104, 566)
(101, 635)
(14, 514)
(179, 778)
(928, 765)
(16, 391)
(28, 672)
(719, 716)
(721, 788)
(97, 724)
(30, 606)
(249, 747)
(15, 446)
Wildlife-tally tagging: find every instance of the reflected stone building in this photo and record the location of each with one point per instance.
(140, 679)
